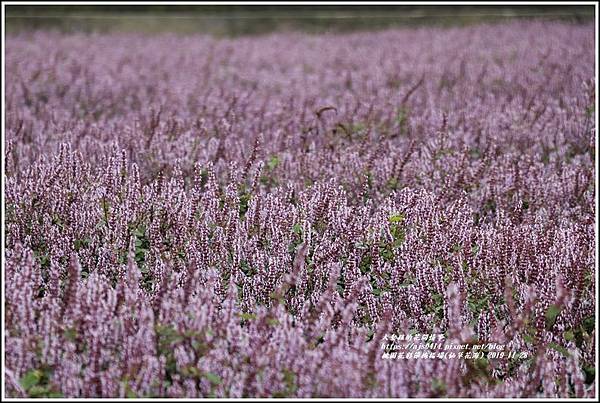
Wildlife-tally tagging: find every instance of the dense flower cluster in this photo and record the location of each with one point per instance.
(195, 217)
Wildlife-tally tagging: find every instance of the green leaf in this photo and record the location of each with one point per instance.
(273, 162)
(247, 269)
(569, 335)
(30, 379)
(589, 111)
(247, 316)
(438, 385)
(297, 228)
(399, 235)
(140, 231)
(70, 334)
(55, 394)
(213, 378)
(559, 348)
(482, 363)
(193, 371)
(244, 201)
(38, 391)
(589, 324)
(551, 315)
(79, 244)
(396, 218)
(476, 305)
(528, 338)
(590, 374)
(437, 299)
(365, 264)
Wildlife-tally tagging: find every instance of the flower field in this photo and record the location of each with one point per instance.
(187, 216)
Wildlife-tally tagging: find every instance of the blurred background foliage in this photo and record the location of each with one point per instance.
(235, 20)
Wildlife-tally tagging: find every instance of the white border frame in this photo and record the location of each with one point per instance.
(299, 3)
